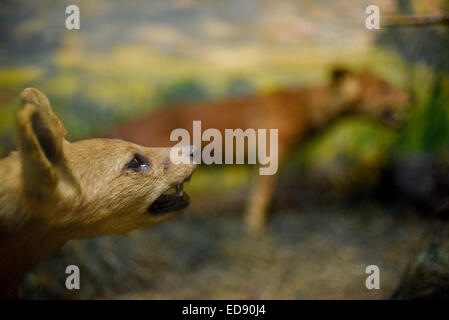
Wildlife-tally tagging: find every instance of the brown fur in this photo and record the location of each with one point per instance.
(296, 113)
(53, 191)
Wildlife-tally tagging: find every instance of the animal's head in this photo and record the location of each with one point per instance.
(93, 187)
(369, 94)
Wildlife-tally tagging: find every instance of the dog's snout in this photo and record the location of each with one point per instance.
(192, 151)
(189, 151)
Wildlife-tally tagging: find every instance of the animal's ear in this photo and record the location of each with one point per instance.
(346, 83)
(338, 74)
(41, 139)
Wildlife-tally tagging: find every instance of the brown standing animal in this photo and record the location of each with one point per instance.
(295, 113)
(53, 191)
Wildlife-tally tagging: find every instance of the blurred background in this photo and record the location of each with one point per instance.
(356, 194)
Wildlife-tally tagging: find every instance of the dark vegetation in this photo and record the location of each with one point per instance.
(419, 169)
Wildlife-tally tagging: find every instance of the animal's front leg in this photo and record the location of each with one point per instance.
(259, 203)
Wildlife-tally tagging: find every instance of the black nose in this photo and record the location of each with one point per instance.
(192, 151)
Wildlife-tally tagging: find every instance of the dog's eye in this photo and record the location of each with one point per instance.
(138, 163)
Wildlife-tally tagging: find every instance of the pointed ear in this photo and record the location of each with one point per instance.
(338, 74)
(41, 139)
(347, 84)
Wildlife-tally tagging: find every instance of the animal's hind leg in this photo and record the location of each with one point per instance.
(260, 199)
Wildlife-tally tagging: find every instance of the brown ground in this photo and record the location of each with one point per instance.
(318, 252)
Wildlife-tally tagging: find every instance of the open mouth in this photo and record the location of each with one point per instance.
(173, 199)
